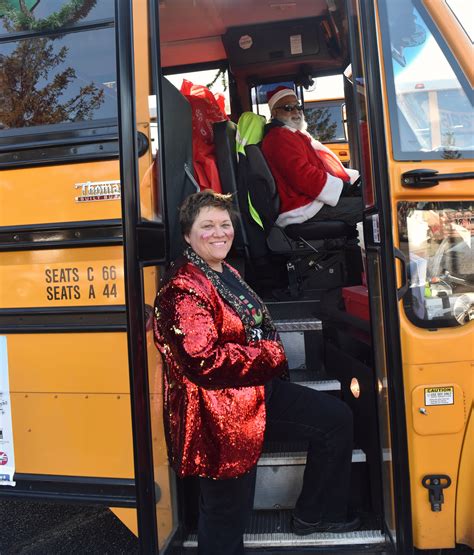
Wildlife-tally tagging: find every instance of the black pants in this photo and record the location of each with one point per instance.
(348, 209)
(294, 413)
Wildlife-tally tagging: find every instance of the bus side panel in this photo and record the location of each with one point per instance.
(62, 193)
(71, 404)
(465, 495)
(436, 438)
(65, 278)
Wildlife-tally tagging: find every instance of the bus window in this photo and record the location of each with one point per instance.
(324, 108)
(259, 96)
(216, 80)
(432, 114)
(54, 82)
(324, 118)
(438, 240)
(50, 15)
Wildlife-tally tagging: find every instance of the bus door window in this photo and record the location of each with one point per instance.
(455, 21)
(438, 241)
(430, 110)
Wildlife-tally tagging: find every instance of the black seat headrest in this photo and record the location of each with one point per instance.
(226, 157)
(262, 186)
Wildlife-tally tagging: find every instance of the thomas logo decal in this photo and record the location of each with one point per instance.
(98, 190)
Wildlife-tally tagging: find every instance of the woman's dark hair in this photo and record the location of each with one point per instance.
(204, 199)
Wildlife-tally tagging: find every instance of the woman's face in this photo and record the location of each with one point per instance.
(211, 236)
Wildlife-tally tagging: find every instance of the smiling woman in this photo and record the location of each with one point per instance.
(223, 356)
(211, 236)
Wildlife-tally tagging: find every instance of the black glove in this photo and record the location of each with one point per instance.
(346, 187)
(351, 189)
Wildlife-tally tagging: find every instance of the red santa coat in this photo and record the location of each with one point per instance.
(214, 406)
(305, 183)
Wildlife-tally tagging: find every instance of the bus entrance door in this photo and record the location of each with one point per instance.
(424, 180)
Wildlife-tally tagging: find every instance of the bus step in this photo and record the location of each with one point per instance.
(283, 310)
(301, 324)
(319, 385)
(290, 458)
(280, 477)
(272, 529)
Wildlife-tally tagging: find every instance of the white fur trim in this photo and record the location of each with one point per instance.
(299, 215)
(279, 95)
(329, 195)
(353, 174)
(331, 191)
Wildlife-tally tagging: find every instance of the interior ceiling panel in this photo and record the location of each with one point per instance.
(191, 19)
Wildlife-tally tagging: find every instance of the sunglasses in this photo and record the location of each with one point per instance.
(291, 107)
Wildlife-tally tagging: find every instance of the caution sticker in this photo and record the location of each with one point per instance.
(439, 396)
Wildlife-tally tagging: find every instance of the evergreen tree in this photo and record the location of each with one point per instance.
(319, 124)
(30, 90)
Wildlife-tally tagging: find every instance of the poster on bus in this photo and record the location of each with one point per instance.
(7, 457)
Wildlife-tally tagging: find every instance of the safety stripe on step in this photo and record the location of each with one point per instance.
(322, 385)
(299, 458)
(303, 324)
(282, 539)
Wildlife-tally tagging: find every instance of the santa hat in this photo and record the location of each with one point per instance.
(277, 94)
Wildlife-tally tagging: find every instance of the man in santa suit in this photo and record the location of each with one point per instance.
(312, 183)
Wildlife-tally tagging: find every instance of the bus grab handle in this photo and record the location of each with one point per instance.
(424, 177)
(404, 287)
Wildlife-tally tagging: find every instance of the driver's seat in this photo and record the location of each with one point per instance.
(314, 251)
(263, 192)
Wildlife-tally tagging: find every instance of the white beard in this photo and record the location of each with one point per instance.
(290, 121)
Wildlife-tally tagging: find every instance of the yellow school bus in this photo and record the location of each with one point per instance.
(88, 222)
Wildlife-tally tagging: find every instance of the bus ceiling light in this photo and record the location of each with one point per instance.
(355, 388)
(420, 86)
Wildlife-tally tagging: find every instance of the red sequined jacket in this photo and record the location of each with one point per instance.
(214, 406)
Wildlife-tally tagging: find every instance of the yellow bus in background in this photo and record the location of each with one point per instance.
(326, 122)
(96, 156)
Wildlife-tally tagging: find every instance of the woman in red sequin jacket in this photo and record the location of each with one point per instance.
(218, 349)
(222, 358)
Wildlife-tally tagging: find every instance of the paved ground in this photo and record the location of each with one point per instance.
(54, 529)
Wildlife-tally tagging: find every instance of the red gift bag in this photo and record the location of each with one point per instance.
(206, 110)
